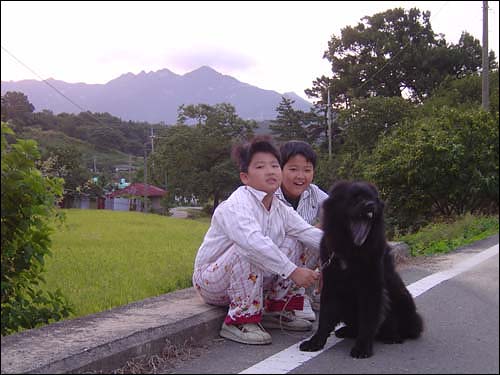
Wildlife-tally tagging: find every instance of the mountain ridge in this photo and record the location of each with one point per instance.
(155, 96)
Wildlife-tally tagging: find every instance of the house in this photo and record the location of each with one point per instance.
(131, 198)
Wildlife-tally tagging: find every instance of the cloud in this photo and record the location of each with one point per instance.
(225, 61)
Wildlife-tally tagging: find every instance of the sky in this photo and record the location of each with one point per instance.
(272, 45)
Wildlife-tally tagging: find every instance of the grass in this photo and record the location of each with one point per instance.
(103, 259)
(443, 237)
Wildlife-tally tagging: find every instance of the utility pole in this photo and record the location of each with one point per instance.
(129, 168)
(145, 180)
(152, 136)
(329, 122)
(486, 66)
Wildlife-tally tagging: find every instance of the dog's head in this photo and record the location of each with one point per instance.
(353, 207)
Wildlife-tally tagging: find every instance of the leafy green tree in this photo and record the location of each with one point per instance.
(288, 124)
(196, 158)
(28, 208)
(16, 107)
(445, 163)
(68, 164)
(393, 53)
(367, 119)
(464, 93)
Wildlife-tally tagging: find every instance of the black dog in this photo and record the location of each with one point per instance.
(361, 287)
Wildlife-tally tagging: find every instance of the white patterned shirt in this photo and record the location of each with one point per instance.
(243, 220)
(309, 203)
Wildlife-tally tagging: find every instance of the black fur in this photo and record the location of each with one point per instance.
(361, 287)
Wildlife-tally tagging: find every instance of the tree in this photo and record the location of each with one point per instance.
(68, 164)
(16, 107)
(196, 159)
(394, 53)
(444, 163)
(28, 208)
(359, 129)
(367, 119)
(289, 122)
(464, 93)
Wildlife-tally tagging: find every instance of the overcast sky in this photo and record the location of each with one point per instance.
(272, 45)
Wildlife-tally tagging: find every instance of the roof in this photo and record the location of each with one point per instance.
(138, 189)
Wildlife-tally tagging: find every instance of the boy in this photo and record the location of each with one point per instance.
(240, 263)
(298, 161)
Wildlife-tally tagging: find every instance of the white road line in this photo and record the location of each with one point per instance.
(423, 285)
(291, 358)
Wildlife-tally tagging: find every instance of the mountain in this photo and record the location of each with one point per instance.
(154, 96)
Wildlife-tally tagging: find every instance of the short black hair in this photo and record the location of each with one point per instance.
(292, 148)
(243, 153)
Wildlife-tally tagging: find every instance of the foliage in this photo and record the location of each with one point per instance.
(442, 237)
(288, 124)
(28, 206)
(464, 93)
(360, 128)
(445, 163)
(103, 130)
(15, 106)
(391, 53)
(68, 165)
(196, 158)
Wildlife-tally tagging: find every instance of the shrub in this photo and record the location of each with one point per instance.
(28, 207)
(445, 164)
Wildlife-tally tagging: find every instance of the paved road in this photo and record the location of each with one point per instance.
(461, 314)
(181, 212)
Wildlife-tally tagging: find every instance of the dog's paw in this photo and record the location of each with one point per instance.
(345, 332)
(312, 345)
(361, 352)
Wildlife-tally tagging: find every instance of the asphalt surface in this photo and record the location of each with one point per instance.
(461, 330)
(178, 333)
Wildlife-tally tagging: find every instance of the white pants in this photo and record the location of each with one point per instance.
(235, 282)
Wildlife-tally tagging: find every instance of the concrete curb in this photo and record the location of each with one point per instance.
(107, 340)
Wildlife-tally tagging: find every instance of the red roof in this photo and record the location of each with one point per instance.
(138, 189)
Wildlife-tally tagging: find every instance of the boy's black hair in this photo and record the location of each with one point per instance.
(242, 153)
(292, 148)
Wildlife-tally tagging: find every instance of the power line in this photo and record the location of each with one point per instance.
(51, 86)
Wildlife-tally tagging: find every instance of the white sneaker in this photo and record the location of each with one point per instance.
(315, 297)
(285, 320)
(307, 312)
(250, 333)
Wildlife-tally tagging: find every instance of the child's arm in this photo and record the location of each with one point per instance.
(243, 230)
(300, 229)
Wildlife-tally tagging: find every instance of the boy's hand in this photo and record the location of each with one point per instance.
(304, 277)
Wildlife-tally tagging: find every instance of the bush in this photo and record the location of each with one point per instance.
(28, 206)
(445, 164)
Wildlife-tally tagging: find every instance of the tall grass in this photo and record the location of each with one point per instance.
(103, 259)
(442, 237)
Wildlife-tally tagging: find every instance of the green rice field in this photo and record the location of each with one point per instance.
(102, 259)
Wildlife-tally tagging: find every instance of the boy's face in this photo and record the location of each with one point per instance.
(298, 174)
(264, 173)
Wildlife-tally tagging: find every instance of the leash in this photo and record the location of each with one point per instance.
(327, 263)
